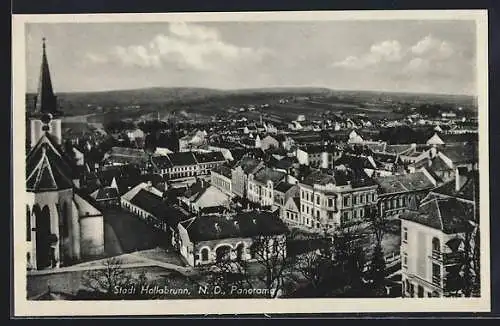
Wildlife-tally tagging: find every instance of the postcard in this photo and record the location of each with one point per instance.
(250, 162)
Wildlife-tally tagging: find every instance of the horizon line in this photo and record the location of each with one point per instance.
(260, 88)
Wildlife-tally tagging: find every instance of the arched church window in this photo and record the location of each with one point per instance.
(28, 224)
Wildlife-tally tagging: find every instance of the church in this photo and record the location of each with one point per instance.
(63, 226)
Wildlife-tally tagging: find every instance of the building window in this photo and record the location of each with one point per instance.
(346, 201)
(436, 274)
(345, 217)
(317, 214)
(405, 260)
(355, 200)
(420, 291)
(405, 234)
(330, 202)
(412, 290)
(302, 194)
(28, 224)
(204, 254)
(436, 248)
(317, 200)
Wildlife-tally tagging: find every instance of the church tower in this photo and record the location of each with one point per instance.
(46, 116)
(63, 226)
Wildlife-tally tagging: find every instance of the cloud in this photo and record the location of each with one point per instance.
(386, 51)
(417, 65)
(433, 48)
(186, 45)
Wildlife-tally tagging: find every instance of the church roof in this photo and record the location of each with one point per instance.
(45, 100)
(48, 168)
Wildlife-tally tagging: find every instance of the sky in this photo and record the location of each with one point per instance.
(403, 56)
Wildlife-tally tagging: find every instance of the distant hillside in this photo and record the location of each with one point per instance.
(196, 102)
(85, 102)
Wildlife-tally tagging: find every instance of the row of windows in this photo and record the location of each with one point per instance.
(354, 215)
(409, 290)
(356, 199)
(394, 203)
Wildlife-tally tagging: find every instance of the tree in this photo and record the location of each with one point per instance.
(349, 257)
(105, 280)
(378, 225)
(270, 254)
(316, 266)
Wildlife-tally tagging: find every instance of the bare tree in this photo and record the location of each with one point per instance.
(270, 254)
(105, 280)
(378, 225)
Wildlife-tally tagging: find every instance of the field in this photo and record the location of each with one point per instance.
(202, 103)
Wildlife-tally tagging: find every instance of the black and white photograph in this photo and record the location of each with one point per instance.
(262, 162)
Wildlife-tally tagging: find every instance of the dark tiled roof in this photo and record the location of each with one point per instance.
(48, 168)
(385, 158)
(459, 154)
(447, 214)
(155, 206)
(340, 177)
(107, 193)
(209, 157)
(398, 149)
(248, 164)
(223, 170)
(404, 183)
(468, 191)
(267, 174)
(242, 225)
(458, 138)
(283, 187)
(161, 161)
(182, 158)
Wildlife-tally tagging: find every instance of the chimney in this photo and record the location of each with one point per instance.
(460, 177)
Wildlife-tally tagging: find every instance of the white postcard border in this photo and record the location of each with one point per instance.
(23, 307)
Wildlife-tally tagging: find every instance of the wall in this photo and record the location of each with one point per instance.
(92, 236)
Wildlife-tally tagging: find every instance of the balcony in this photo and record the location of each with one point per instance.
(436, 280)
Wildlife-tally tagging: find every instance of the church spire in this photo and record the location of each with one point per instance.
(45, 100)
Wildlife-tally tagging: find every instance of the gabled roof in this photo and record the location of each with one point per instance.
(267, 174)
(460, 153)
(48, 168)
(283, 186)
(242, 225)
(223, 170)
(249, 164)
(467, 191)
(105, 193)
(340, 176)
(182, 158)
(449, 215)
(404, 183)
(209, 157)
(161, 161)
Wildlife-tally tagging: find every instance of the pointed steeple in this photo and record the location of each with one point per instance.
(45, 100)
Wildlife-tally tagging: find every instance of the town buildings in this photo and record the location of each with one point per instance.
(213, 238)
(62, 224)
(336, 199)
(438, 238)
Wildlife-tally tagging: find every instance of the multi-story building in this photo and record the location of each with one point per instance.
(239, 174)
(207, 161)
(209, 239)
(282, 192)
(336, 199)
(397, 193)
(317, 156)
(261, 185)
(220, 178)
(437, 236)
